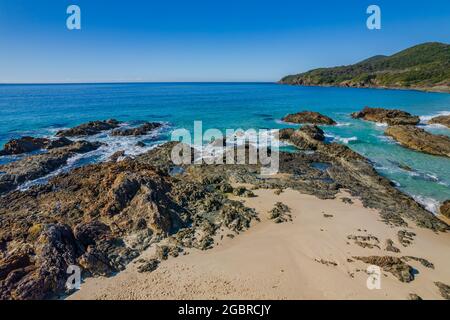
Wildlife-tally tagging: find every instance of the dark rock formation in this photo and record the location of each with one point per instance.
(420, 140)
(445, 209)
(405, 237)
(350, 170)
(391, 117)
(393, 265)
(444, 120)
(58, 143)
(241, 192)
(38, 166)
(139, 131)
(307, 137)
(280, 213)
(82, 217)
(24, 145)
(391, 247)
(117, 155)
(424, 262)
(414, 297)
(444, 290)
(90, 128)
(30, 144)
(149, 266)
(309, 117)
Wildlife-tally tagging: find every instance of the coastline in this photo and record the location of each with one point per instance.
(419, 89)
(147, 209)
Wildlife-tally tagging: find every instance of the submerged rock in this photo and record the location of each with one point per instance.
(309, 117)
(391, 117)
(443, 120)
(420, 140)
(139, 131)
(89, 129)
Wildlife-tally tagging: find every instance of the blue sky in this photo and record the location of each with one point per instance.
(203, 40)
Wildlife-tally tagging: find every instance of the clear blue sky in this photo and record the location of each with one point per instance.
(203, 40)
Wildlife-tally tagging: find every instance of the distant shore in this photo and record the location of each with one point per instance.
(440, 89)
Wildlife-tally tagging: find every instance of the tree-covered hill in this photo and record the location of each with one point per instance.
(425, 66)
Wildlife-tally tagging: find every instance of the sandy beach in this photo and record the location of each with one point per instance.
(310, 257)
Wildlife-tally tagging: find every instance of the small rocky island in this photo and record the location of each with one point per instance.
(420, 140)
(388, 116)
(309, 117)
(402, 128)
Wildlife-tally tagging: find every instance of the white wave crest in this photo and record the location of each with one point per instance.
(425, 119)
(430, 204)
(341, 139)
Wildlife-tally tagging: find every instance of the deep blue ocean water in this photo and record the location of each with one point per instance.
(41, 110)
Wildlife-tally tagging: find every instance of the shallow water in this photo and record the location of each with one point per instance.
(41, 110)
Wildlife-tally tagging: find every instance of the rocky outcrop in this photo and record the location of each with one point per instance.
(445, 209)
(139, 131)
(100, 217)
(444, 290)
(443, 120)
(420, 140)
(34, 167)
(391, 117)
(349, 170)
(393, 265)
(307, 137)
(30, 144)
(90, 128)
(83, 217)
(58, 143)
(309, 117)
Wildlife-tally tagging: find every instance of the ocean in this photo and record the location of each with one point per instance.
(42, 110)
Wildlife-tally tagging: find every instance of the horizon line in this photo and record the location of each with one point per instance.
(127, 82)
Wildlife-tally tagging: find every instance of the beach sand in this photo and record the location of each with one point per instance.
(288, 260)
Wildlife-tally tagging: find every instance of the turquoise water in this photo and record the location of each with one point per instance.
(40, 110)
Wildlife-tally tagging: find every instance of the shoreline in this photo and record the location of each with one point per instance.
(418, 89)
